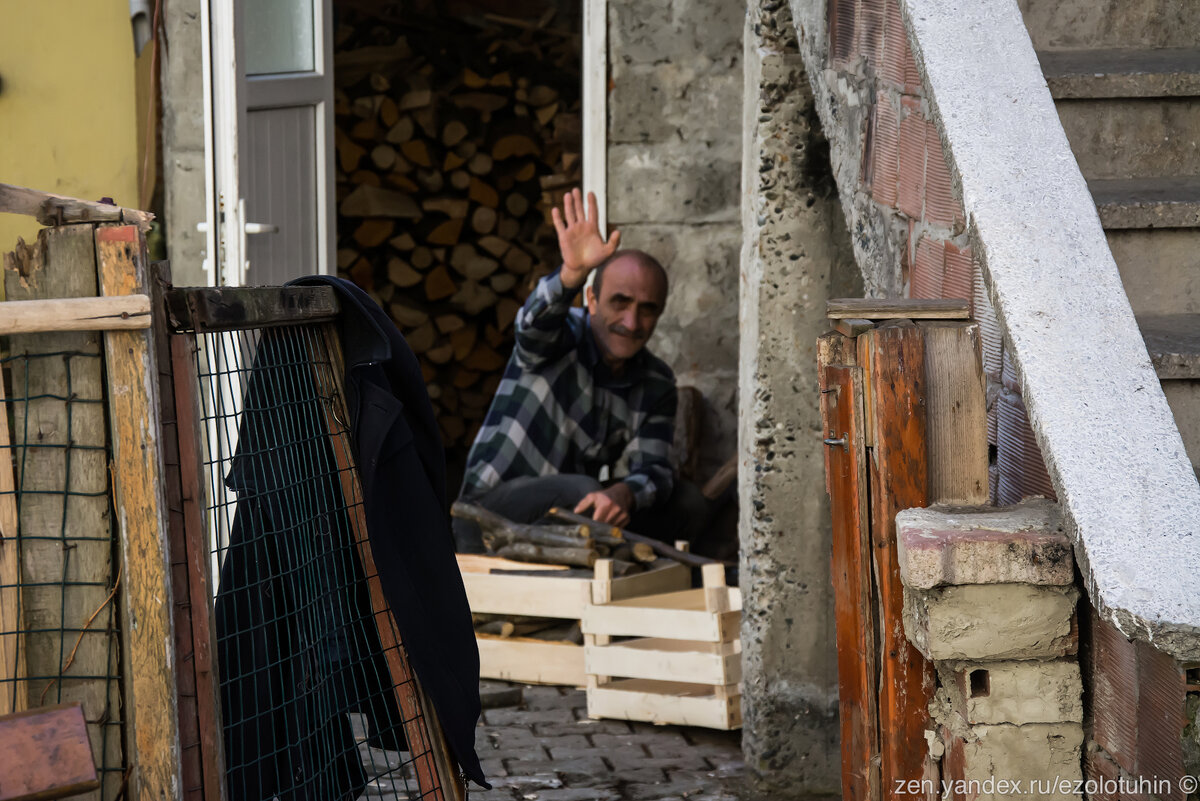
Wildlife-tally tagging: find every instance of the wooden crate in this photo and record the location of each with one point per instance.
(683, 663)
(533, 661)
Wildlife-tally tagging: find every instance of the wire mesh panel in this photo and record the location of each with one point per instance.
(59, 574)
(314, 702)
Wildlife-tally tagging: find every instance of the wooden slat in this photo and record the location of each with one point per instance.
(46, 754)
(898, 477)
(667, 660)
(851, 566)
(236, 308)
(187, 417)
(956, 413)
(666, 702)
(75, 314)
(435, 777)
(530, 661)
(896, 308)
(62, 264)
(52, 209)
(152, 724)
(13, 697)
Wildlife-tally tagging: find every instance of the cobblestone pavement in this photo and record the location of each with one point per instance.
(549, 750)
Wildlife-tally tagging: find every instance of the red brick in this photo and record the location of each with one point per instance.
(941, 207)
(960, 273)
(1022, 469)
(911, 184)
(912, 78)
(895, 50)
(871, 30)
(1098, 768)
(843, 30)
(928, 269)
(992, 340)
(884, 151)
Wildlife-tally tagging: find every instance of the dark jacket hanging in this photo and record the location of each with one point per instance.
(402, 467)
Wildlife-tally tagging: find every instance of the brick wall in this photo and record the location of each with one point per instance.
(912, 236)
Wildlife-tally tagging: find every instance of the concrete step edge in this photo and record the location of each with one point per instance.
(1125, 73)
(1170, 202)
(1173, 341)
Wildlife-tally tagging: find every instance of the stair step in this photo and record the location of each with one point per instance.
(1173, 341)
(1172, 202)
(1091, 74)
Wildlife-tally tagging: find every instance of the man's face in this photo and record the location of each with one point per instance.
(624, 316)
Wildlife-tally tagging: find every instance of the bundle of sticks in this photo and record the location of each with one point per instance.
(578, 544)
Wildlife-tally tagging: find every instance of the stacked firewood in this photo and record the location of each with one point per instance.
(453, 144)
(578, 544)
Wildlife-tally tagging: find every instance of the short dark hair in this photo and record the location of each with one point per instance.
(642, 258)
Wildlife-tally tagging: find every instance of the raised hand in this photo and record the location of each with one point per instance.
(579, 240)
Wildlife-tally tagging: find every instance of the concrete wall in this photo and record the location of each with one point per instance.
(674, 160)
(65, 129)
(183, 141)
(796, 254)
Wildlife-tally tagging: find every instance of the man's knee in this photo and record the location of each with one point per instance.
(569, 489)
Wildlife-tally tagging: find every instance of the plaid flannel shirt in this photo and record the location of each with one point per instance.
(560, 409)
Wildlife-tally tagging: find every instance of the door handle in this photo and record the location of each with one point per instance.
(261, 228)
(841, 441)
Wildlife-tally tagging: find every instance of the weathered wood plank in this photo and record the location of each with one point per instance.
(13, 697)
(52, 209)
(152, 724)
(234, 308)
(956, 411)
(191, 469)
(74, 314)
(46, 754)
(898, 476)
(896, 308)
(434, 776)
(853, 602)
(64, 523)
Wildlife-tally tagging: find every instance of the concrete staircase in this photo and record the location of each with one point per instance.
(1125, 76)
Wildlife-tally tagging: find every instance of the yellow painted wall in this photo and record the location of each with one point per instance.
(67, 103)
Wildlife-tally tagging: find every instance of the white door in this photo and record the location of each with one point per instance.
(269, 104)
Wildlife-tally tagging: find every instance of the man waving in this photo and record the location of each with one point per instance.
(584, 416)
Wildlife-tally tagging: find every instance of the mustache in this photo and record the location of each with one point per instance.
(620, 330)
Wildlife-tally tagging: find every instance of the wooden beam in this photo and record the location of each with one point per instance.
(46, 754)
(956, 414)
(896, 308)
(129, 312)
(234, 308)
(898, 479)
(150, 712)
(51, 209)
(13, 696)
(530, 661)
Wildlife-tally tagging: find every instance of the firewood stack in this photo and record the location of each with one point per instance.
(453, 144)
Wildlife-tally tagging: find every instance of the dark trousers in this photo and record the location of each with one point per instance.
(527, 500)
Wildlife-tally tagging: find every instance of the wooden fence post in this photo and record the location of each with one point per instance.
(152, 722)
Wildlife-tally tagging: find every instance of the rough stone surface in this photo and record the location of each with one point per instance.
(983, 545)
(1064, 24)
(183, 142)
(795, 255)
(1112, 449)
(673, 172)
(991, 622)
(548, 750)
(1169, 202)
(1014, 692)
(1043, 753)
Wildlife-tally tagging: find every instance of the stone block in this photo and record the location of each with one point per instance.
(1038, 760)
(1015, 692)
(1021, 544)
(661, 30)
(671, 101)
(674, 183)
(991, 622)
